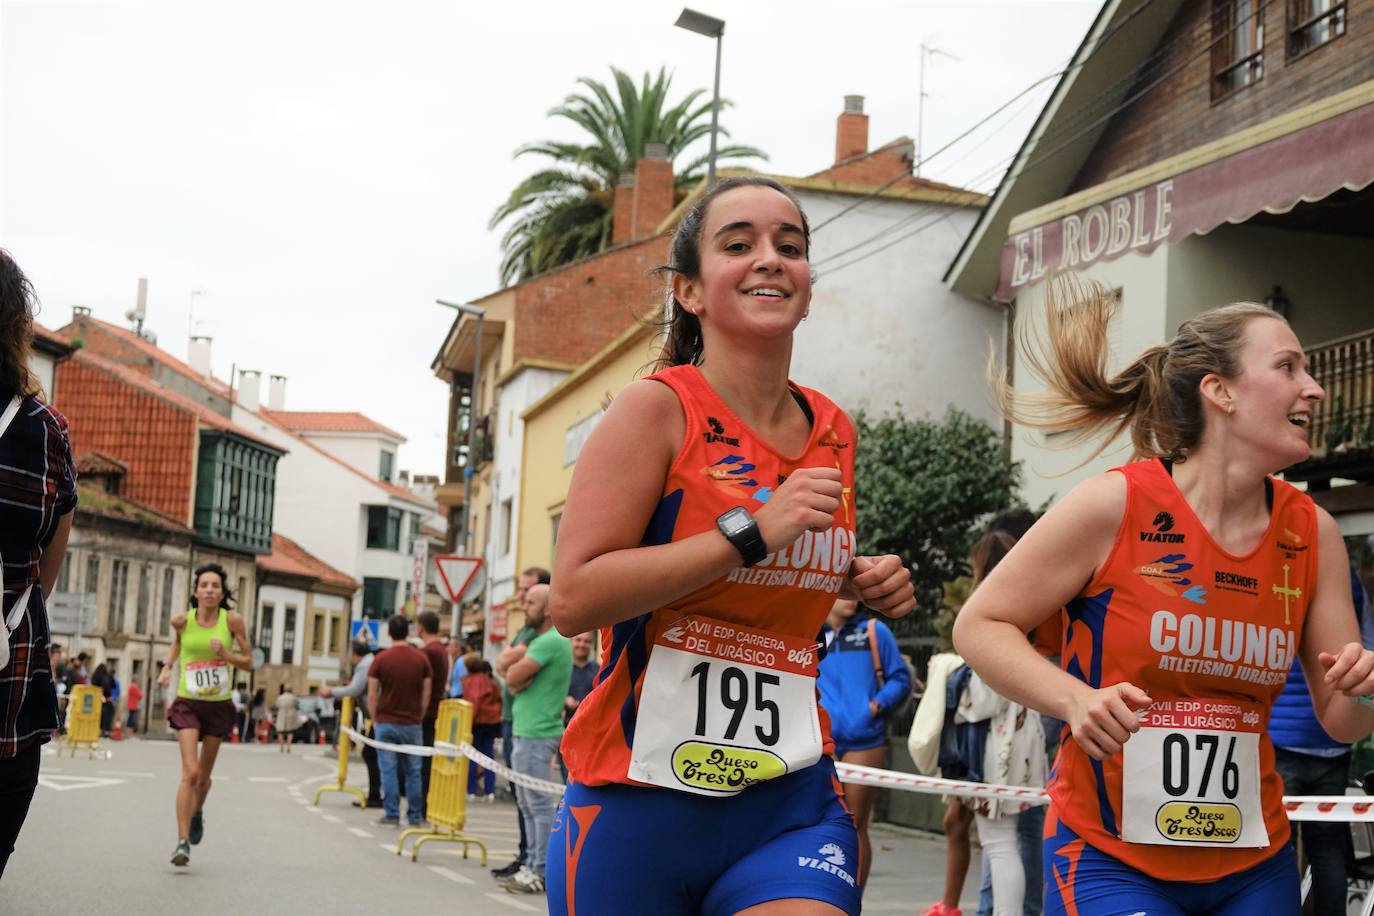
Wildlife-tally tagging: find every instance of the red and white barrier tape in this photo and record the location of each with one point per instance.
(444, 749)
(1300, 807)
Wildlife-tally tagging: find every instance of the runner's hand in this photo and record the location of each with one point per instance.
(164, 677)
(807, 501)
(1350, 670)
(884, 584)
(1102, 720)
(217, 647)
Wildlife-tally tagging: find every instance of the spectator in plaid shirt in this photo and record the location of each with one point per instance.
(37, 496)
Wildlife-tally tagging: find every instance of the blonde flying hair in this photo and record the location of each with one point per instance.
(1157, 397)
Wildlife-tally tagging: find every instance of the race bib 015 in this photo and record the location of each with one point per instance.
(723, 707)
(207, 680)
(1190, 776)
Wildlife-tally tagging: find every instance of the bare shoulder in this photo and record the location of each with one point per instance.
(642, 409)
(236, 621)
(1097, 503)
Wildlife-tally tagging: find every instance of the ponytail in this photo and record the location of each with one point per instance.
(1157, 397)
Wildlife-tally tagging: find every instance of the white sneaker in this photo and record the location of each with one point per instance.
(523, 881)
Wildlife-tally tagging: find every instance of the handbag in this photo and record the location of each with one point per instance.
(8, 622)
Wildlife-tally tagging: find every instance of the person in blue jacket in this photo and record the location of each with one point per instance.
(863, 678)
(1311, 762)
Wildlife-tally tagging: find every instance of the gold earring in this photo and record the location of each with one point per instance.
(1230, 408)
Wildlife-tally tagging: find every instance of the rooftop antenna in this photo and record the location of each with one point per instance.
(140, 310)
(926, 51)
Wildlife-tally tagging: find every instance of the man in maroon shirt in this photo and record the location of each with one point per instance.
(398, 689)
(428, 623)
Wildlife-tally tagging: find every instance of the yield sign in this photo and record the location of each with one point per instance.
(67, 783)
(459, 575)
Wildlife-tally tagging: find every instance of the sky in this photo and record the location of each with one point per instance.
(322, 172)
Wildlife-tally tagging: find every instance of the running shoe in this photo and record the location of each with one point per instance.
(523, 881)
(182, 855)
(939, 909)
(507, 870)
(197, 828)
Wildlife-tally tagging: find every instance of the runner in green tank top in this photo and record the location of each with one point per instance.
(202, 712)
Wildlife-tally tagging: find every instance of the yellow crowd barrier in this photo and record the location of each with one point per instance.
(446, 806)
(345, 716)
(83, 718)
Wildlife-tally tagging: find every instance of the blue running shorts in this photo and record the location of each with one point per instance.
(636, 849)
(1081, 880)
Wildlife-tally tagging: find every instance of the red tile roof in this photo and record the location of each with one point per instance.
(202, 413)
(291, 558)
(151, 350)
(98, 463)
(399, 492)
(94, 500)
(330, 421)
(154, 436)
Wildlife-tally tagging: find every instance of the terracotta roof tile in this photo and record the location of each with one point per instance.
(202, 413)
(153, 352)
(290, 558)
(390, 488)
(92, 499)
(331, 421)
(99, 463)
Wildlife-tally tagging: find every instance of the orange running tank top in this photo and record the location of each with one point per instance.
(721, 464)
(1211, 636)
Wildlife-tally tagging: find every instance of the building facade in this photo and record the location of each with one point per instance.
(1232, 161)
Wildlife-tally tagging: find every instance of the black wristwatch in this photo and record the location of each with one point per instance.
(742, 531)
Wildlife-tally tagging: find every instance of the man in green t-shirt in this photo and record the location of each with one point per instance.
(537, 674)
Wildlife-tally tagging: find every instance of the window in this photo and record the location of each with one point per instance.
(507, 524)
(379, 598)
(145, 585)
(383, 528)
(288, 635)
(555, 522)
(164, 625)
(388, 463)
(414, 530)
(1313, 23)
(1237, 45)
(92, 574)
(265, 628)
(340, 635)
(119, 587)
(317, 635)
(64, 575)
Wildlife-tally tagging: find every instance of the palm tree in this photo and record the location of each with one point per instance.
(563, 212)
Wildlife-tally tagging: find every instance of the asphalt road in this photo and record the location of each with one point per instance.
(100, 833)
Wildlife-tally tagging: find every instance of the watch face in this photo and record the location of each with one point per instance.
(736, 521)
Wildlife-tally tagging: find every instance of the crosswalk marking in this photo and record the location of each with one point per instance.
(451, 875)
(359, 832)
(512, 902)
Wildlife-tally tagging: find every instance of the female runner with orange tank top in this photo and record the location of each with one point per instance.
(1189, 582)
(708, 529)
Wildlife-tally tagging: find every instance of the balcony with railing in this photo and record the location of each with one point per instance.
(1342, 433)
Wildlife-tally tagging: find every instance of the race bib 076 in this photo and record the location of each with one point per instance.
(1190, 776)
(723, 707)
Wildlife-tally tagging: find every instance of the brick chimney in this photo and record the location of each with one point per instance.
(653, 190)
(624, 215)
(851, 130)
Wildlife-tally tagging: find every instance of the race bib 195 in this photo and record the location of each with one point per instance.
(1190, 776)
(723, 707)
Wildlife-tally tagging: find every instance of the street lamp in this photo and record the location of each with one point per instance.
(711, 27)
(480, 314)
